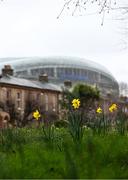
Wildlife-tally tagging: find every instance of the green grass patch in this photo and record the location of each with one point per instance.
(27, 153)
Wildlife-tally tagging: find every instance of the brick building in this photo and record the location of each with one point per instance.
(18, 92)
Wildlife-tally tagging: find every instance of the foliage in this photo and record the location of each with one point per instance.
(11, 139)
(61, 123)
(75, 125)
(100, 125)
(86, 95)
(121, 123)
(67, 98)
(96, 157)
(48, 133)
(73, 151)
(86, 92)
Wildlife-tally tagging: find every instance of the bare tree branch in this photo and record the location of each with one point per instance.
(102, 5)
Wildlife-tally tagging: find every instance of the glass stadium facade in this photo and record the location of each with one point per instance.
(60, 69)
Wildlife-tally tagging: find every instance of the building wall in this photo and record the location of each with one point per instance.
(20, 96)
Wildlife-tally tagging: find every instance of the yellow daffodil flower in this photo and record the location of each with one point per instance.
(36, 115)
(76, 103)
(99, 110)
(113, 107)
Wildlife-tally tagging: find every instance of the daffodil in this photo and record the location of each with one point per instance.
(76, 103)
(113, 107)
(99, 110)
(36, 115)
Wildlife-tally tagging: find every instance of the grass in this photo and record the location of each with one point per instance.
(28, 153)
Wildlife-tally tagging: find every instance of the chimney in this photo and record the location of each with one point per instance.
(7, 70)
(68, 84)
(43, 78)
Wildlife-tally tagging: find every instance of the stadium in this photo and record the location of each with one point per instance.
(60, 69)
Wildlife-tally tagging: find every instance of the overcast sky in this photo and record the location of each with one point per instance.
(31, 28)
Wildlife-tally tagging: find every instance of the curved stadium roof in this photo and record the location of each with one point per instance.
(59, 61)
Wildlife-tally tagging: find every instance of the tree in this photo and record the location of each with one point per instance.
(103, 6)
(85, 92)
(87, 95)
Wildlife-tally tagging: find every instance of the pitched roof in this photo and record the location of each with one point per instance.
(28, 83)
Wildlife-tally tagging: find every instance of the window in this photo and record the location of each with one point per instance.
(18, 100)
(38, 97)
(8, 93)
